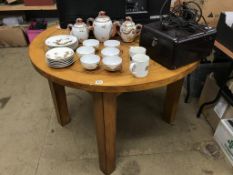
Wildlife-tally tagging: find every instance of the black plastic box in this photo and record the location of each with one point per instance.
(225, 33)
(174, 52)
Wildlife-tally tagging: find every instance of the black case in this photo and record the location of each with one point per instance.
(225, 33)
(174, 52)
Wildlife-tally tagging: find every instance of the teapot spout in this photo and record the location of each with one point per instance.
(116, 28)
(69, 28)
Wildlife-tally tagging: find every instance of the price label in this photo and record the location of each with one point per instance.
(99, 82)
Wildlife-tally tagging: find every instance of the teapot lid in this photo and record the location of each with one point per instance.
(102, 17)
(79, 23)
(128, 22)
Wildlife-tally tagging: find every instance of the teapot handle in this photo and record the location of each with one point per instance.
(69, 27)
(138, 29)
(116, 28)
(90, 22)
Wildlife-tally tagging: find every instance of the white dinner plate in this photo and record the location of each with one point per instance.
(61, 41)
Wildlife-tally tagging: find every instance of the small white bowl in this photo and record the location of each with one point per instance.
(110, 52)
(112, 63)
(83, 50)
(91, 43)
(112, 43)
(90, 62)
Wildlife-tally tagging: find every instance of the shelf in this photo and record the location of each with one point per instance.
(22, 7)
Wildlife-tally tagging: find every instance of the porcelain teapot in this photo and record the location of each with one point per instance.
(102, 27)
(128, 31)
(80, 30)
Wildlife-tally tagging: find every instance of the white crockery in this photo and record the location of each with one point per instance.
(59, 57)
(112, 63)
(83, 50)
(90, 62)
(80, 30)
(110, 51)
(62, 41)
(61, 53)
(136, 50)
(91, 43)
(140, 65)
(112, 43)
(103, 27)
(129, 30)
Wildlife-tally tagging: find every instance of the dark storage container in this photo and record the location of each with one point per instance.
(176, 48)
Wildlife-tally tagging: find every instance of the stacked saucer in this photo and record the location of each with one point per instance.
(62, 41)
(60, 57)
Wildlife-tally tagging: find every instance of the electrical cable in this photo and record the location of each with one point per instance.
(182, 16)
(162, 9)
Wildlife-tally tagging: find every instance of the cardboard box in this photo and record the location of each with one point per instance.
(40, 2)
(209, 90)
(12, 37)
(224, 137)
(213, 118)
(211, 112)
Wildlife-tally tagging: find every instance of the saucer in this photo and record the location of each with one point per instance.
(61, 41)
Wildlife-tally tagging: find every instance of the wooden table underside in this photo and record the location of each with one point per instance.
(105, 95)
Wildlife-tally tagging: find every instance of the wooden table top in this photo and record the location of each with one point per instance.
(123, 81)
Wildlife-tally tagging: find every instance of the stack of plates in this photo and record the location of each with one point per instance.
(60, 57)
(62, 41)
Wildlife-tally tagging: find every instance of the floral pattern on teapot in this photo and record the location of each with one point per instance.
(102, 27)
(128, 31)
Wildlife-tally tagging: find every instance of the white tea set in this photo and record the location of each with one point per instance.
(60, 53)
(61, 48)
(103, 28)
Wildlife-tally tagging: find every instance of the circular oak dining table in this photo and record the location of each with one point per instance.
(105, 87)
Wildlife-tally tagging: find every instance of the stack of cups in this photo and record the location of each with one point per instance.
(139, 65)
(111, 55)
(88, 58)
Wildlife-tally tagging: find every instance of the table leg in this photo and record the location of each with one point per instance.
(60, 103)
(105, 105)
(172, 101)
